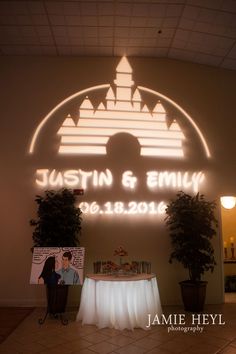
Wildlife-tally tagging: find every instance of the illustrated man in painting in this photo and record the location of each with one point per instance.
(69, 276)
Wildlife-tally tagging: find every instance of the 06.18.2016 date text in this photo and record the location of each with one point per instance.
(123, 208)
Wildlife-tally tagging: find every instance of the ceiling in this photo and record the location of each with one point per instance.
(200, 31)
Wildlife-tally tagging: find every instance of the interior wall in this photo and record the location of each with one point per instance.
(228, 217)
(30, 88)
(228, 224)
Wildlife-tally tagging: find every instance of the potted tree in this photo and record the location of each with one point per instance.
(192, 225)
(58, 224)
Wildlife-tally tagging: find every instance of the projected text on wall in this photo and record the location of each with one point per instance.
(103, 179)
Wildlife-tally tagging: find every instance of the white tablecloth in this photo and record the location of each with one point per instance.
(119, 304)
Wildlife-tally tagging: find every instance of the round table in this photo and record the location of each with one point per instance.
(119, 301)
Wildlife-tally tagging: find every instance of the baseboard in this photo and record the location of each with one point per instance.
(32, 303)
(22, 302)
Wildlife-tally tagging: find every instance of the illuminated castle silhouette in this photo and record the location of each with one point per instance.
(122, 113)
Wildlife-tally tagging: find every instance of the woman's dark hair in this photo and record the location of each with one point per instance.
(48, 268)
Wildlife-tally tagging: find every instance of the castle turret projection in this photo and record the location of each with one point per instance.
(123, 112)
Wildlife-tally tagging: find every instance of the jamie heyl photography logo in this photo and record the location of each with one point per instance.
(180, 322)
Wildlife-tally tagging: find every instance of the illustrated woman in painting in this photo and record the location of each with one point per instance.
(49, 276)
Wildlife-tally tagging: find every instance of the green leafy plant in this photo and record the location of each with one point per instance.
(192, 225)
(58, 222)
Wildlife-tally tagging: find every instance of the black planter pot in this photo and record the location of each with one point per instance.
(57, 298)
(193, 295)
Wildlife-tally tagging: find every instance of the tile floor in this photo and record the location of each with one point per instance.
(52, 337)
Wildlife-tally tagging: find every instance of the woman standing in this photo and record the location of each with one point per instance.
(48, 275)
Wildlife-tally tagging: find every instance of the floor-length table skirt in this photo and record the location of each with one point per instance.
(119, 303)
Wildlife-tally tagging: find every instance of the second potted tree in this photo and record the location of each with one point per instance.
(192, 225)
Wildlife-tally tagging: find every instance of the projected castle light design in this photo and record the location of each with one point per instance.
(123, 112)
